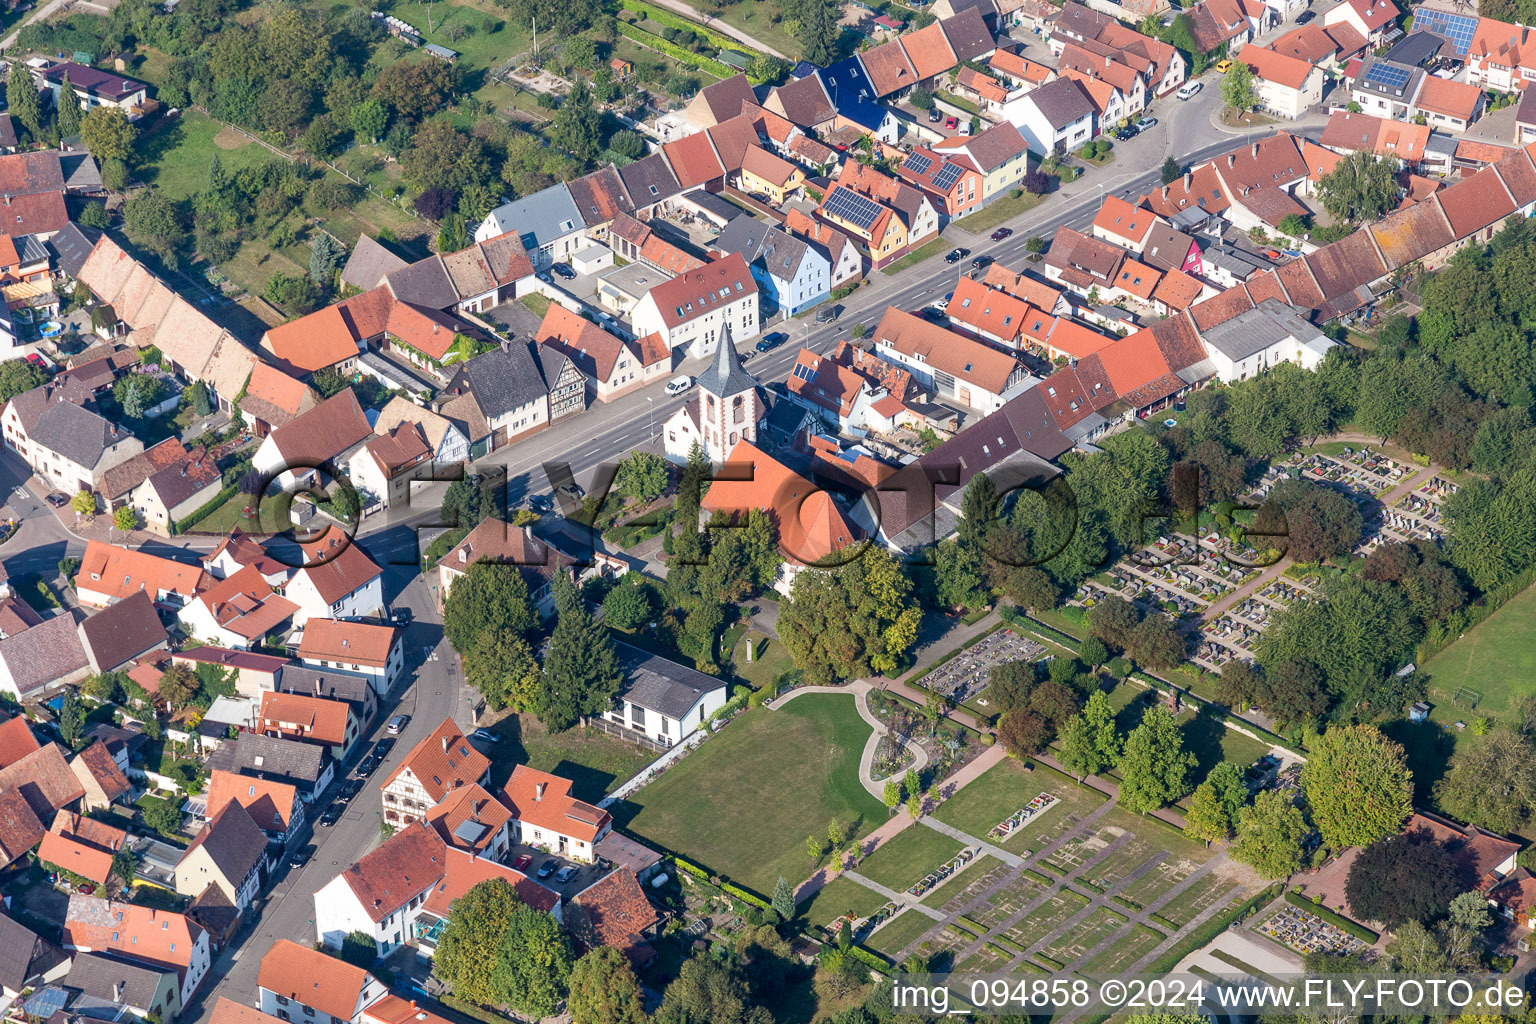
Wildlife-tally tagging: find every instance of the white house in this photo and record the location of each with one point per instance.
(1058, 113)
(548, 223)
(143, 934)
(325, 434)
(337, 581)
(694, 308)
(368, 649)
(449, 444)
(442, 762)
(70, 447)
(956, 367)
(303, 985)
(662, 701)
(1287, 86)
(238, 612)
(546, 816)
(794, 275)
(1270, 333)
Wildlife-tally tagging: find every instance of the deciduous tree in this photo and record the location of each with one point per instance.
(1154, 767)
(491, 598)
(1491, 782)
(1269, 835)
(532, 963)
(604, 989)
(1357, 785)
(1361, 187)
(1238, 87)
(581, 668)
(1090, 743)
(1409, 876)
(178, 686)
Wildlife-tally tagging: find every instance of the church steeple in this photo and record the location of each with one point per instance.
(725, 377)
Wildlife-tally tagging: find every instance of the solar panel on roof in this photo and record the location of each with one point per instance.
(947, 176)
(1388, 76)
(803, 372)
(917, 163)
(848, 205)
(1458, 28)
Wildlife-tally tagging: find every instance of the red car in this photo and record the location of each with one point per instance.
(1001, 233)
(522, 863)
(952, 123)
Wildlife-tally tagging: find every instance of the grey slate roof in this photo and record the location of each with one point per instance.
(369, 263)
(540, 218)
(81, 174)
(45, 653)
(96, 974)
(1062, 102)
(121, 632)
(649, 180)
(271, 757)
(725, 377)
(233, 841)
(331, 684)
(24, 954)
(424, 283)
(501, 380)
(662, 686)
(8, 131)
(71, 245)
(76, 434)
(1268, 323)
(764, 246)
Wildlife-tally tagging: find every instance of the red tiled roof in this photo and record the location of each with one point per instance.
(1300, 284)
(140, 933)
(269, 803)
(311, 978)
(706, 290)
(1345, 265)
(104, 770)
(314, 718)
(693, 160)
(1177, 290)
(344, 570)
(1124, 221)
(1453, 99)
(245, 604)
(928, 51)
(613, 911)
(356, 643)
(888, 68)
(16, 740)
(44, 780)
(122, 572)
(1075, 340)
(471, 803)
(406, 865)
(971, 361)
(1138, 279)
(1264, 285)
(1220, 308)
(20, 829)
(463, 871)
(1279, 68)
(312, 342)
(1411, 234)
(442, 762)
(86, 861)
(810, 525)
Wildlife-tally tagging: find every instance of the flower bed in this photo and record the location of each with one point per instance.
(941, 874)
(1038, 806)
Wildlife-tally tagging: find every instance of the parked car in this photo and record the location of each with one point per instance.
(382, 748)
(397, 723)
(402, 616)
(772, 341)
(366, 767)
(1188, 89)
(541, 503)
(678, 385)
(548, 868)
(570, 492)
(934, 117)
(1127, 133)
(1223, 67)
(933, 315)
(1145, 123)
(563, 271)
(522, 862)
(1306, 16)
(485, 736)
(828, 314)
(301, 856)
(331, 816)
(1001, 233)
(965, 127)
(566, 873)
(951, 123)
(350, 789)
(58, 499)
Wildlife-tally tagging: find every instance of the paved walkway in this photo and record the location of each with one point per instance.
(904, 899)
(1013, 860)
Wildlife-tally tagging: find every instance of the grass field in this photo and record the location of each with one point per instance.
(1008, 901)
(1496, 659)
(899, 932)
(916, 256)
(743, 803)
(1046, 918)
(1128, 948)
(594, 761)
(175, 156)
(998, 212)
(838, 897)
(1002, 790)
(903, 861)
(1083, 936)
(959, 890)
(772, 659)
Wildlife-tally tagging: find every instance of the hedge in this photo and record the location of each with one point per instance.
(660, 45)
(1339, 921)
(662, 16)
(872, 960)
(692, 869)
(225, 493)
(745, 897)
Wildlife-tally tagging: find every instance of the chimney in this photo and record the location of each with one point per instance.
(1189, 180)
(1254, 151)
(1231, 159)
(445, 744)
(117, 992)
(538, 791)
(317, 687)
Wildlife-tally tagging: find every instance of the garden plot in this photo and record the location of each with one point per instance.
(1195, 900)
(1046, 918)
(899, 932)
(1076, 941)
(1008, 901)
(962, 888)
(1128, 948)
(987, 959)
(941, 950)
(1308, 933)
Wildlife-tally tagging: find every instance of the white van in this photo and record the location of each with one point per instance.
(1188, 89)
(678, 385)
(965, 127)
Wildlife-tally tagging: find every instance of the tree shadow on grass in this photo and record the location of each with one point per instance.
(1427, 748)
(1202, 737)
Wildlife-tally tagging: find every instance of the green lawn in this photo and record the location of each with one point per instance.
(1496, 659)
(744, 802)
(838, 897)
(594, 761)
(771, 660)
(899, 932)
(1003, 789)
(905, 860)
(174, 158)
